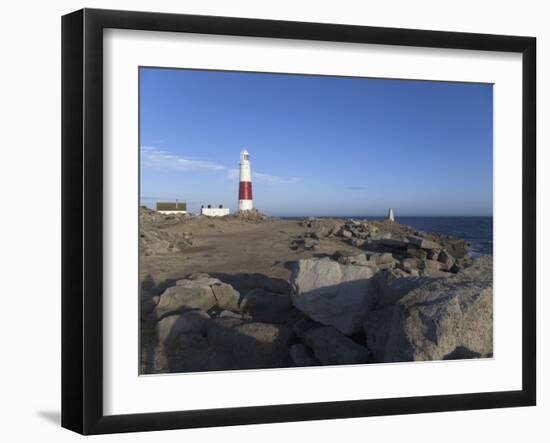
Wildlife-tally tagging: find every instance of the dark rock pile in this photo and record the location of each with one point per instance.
(393, 315)
(415, 252)
(306, 241)
(332, 314)
(203, 323)
(251, 216)
(148, 216)
(397, 295)
(156, 239)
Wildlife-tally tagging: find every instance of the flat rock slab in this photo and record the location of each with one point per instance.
(259, 299)
(246, 282)
(446, 259)
(302, 356)
(201, 292)
(247, 344)
(423, 243)
(171, 327)
(332, 293)
(226, 297)
(180, 298)
(394, 243)
(331, 347)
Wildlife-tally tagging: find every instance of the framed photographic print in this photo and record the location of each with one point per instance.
(268, 221)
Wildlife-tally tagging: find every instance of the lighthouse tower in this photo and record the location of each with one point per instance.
(245, 183)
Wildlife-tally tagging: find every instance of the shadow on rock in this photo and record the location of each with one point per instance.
(244, 282)
(230, 344)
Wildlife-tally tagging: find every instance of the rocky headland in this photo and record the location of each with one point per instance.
(248, 291)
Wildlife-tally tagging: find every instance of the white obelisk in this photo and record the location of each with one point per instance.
(245, 183)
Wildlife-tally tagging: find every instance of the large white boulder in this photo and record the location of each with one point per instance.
(184, 298)
(332, 293)
(203, 293)
(444, 318)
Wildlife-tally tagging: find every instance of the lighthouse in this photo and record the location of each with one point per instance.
(245, 183)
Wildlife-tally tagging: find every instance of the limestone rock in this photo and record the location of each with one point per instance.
(410, 264)
(302, 356)
(231, 314)
(333, 294)
(243, 283)
(250, 344)
(393, 286)
(377, 328)
(199, 291)
(181, 298)
(432, 267)
(151, 242)
(357, 259)
(481, 269)
(381, 258)
(259, 299)
(346, 257)
(148, 301)
(423, 243)
(154, 240)
(333, 348)
(198, 281)
(171, 327)
(346, 234)
(192, 341)
(310, 243)
(226, 297)
(418, 253)
(335, 229)
(444, 317)
(394, 243)
(447, 259)
(303, 325)
(192, 354)
(360, 260)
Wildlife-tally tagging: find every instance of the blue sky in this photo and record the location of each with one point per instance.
(318, 145)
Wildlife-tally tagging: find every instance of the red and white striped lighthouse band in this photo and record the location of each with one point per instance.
(245, 191)
(245, 182)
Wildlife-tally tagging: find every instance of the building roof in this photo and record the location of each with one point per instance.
(169, 206)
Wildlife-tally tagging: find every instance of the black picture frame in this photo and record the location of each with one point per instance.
(82, 215)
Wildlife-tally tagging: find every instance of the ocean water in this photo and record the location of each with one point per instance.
(478, 231)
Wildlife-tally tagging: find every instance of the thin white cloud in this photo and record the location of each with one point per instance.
(158, 159)
(232, 174)
(273, 179)
(155, 158)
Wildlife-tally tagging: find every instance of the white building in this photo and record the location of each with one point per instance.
(172, 208)
(209, 211)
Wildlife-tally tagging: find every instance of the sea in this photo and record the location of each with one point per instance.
(478, 231)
